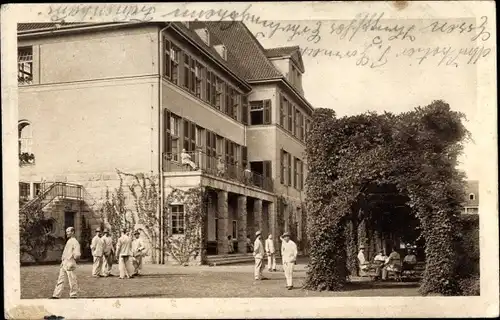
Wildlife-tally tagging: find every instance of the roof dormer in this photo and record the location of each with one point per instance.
(221, 50)
(204, 35)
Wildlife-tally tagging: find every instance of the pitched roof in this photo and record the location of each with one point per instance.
(291, 51)
(280, 51)
(45, 25)
(248, 55)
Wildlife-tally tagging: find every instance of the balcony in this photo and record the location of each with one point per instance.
(217, 167)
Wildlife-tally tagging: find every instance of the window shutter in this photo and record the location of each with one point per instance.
(267, 111)
(267, 169)
(166, 45)
(244, 110)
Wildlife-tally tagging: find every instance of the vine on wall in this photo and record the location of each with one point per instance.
(188, 246)
(417, 153)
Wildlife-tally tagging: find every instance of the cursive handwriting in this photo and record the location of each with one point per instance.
(118, 12)
(364, 23)
(464, 27)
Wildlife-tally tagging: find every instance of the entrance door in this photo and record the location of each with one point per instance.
(69, 219)
(216, 236)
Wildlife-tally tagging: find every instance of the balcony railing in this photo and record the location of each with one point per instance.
(200, 161)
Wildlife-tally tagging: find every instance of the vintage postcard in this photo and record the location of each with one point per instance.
(250, 160)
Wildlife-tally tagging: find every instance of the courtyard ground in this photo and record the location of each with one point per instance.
(160, 281)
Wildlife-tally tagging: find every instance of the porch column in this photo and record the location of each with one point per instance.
(223, 221)
(242, 224)
(273, 225)
(257, 209)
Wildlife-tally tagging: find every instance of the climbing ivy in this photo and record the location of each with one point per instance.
(188, 246)
(415, 153)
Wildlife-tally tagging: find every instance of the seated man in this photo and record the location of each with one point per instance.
(410, 261)
(186, 160)
(392, 264)
(379, 261)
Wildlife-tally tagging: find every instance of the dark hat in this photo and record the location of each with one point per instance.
(136, 232)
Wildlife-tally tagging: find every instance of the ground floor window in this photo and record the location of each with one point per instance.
(177, 212)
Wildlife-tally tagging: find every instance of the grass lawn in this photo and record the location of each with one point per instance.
(160, 281)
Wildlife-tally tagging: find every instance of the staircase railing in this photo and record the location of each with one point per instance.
(56, 190)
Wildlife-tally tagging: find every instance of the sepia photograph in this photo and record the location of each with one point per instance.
(227, 150)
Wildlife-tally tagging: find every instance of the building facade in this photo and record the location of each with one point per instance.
(471, 203)
(200, 104)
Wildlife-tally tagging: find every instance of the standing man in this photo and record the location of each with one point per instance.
(97, 248)
(289, 257)
(258, 254)
(123, 252)
(271, 254)
(69, 257)
(137, 251)
(108, 254)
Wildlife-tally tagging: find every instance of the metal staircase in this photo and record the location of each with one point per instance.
(58, 190)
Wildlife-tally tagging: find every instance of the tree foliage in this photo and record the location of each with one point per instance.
(36, 232)
(416, 154)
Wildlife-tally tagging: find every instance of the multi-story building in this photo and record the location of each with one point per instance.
(471, 203)
(140, 97)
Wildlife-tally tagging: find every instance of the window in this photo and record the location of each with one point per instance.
(189, 73)
(211, 149)
(221, 50)
(286, 168)
(298, 124)
(244, 157)
(228, 109)
(211, 86)
(283, 109)
(260, 112)
(307, 128)
(189, 141)
(298, 168)
(24, 190)
(25, 137)
(177, 219)
(208, 86)
(472, 196)
(235, 101)
(244, 109)
(219, 94)
(199, 73)
(171, 141)
(174, 64)
(301, 175)
(295, 172)
(37, 188)
(25, 65)
(290, 116)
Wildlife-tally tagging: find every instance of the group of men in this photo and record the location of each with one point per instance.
(128, 252)
(288, 256)
(383, 264)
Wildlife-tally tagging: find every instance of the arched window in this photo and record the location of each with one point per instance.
(472, 196)
(25, 136)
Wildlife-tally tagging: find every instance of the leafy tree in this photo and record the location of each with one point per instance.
(36, 232)
(413, 155)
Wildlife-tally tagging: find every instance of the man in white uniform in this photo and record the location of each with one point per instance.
(271, 254)
(363, 264)
(258, 254)
(123, 252)
(108, 254)
(97, 247)
(289, 257)
(69, 257)
(137, 251)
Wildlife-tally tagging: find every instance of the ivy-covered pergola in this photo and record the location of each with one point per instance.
(396, 172)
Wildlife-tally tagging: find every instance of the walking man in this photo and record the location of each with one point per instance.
(123, 252)
(271, 255)
(108, 254)
(69, 257)
(97, 248)
(137, 251)
(289, 257)
(258, 253)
